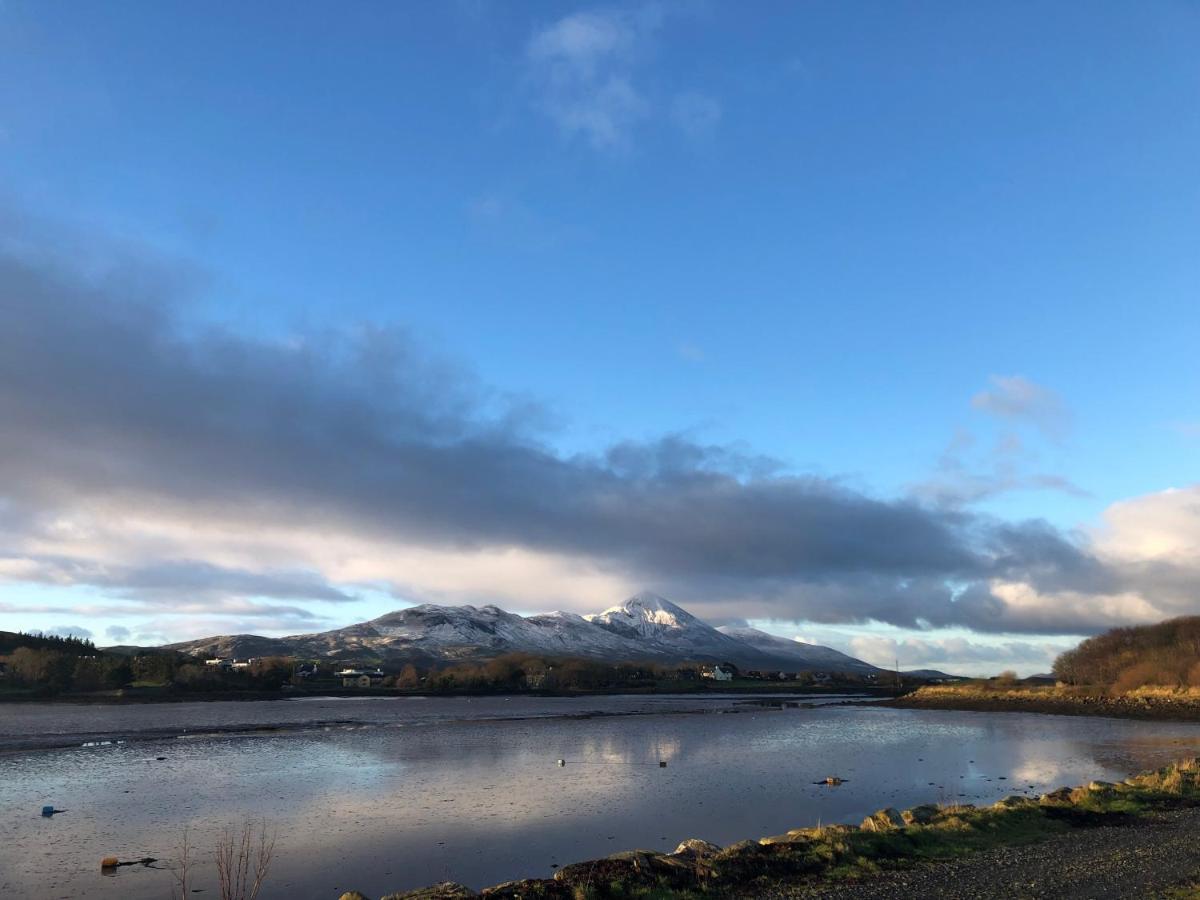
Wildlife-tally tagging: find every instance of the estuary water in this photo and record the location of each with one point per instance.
(382, 795)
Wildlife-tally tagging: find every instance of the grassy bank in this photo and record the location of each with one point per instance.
(1141, 703)
(888, 840)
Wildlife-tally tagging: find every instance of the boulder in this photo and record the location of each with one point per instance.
(920, 815)
(883, 820)
(1062, 795)
(1013, 801)
(445, 890)
(353, 895)
(791, 837)
(697, 848)
(629, 867)
(528, 887)
(637, 857)
(740, 847)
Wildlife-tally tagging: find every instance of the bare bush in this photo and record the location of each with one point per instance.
(181, 870)
(243, 859)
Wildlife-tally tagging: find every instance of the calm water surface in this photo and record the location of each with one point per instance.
(381, 795)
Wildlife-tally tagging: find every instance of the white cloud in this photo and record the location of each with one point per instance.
(696, 115)
(583, 69)
(955, 654)
(1016, 397)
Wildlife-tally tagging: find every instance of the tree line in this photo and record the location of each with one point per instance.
(1123, 659)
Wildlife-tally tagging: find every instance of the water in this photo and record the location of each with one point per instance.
(405, 792)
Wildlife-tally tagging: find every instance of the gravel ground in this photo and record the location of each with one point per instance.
(1128, 861)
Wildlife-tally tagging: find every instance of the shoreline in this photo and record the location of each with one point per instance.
(1161, 707)
(922, 851)
(37, 744)
(139, 696)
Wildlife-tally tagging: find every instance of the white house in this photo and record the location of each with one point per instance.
(718, 673)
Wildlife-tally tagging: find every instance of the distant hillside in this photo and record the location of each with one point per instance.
(11, 640)
(1166, 655)
(644, 628)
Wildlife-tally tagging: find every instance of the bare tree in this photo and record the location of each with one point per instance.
(243, 859)
(181, 870)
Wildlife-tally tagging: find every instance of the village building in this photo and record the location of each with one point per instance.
(720, 672)
(361, 678)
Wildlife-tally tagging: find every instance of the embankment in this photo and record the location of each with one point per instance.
(808, 861)
(1161, 704)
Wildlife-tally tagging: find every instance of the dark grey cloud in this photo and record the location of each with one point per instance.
(112, 399)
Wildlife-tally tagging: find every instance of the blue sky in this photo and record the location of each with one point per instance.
(930, 251)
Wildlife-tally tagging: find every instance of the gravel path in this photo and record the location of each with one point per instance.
(1128, 861)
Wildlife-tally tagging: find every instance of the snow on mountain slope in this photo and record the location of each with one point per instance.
(658, 623)
(645, 627)
(812, 656)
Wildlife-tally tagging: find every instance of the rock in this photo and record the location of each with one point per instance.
(643, 860)
(697, 848)
(791, 837)
(920, 815)
(353, 895)
(1062, 795)
(740, 847)
(1012, 801)
(445, 890)
(883, 820)
(528, 887)
(1101, 786)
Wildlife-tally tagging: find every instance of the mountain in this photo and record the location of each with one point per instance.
(644, 627)
(665, 629)
(798, 653)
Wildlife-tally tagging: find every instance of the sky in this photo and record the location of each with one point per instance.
(873, 325)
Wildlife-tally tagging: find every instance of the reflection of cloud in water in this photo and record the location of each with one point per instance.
(480, 802)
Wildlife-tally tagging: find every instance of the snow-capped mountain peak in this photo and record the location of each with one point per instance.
(644, 627)
(646, 614)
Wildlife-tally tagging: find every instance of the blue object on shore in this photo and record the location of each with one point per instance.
(47, 811)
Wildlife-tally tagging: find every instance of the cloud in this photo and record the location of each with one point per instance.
(696, 115)
(117, 633)
(1017, 398)
(582, 67)
(955, 654)
(230, 481)
(965, 474)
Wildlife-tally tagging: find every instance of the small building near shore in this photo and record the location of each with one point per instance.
(361, 678)
(721, 672)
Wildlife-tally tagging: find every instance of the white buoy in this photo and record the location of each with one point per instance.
(561, 763)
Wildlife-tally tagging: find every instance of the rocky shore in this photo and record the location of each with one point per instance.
(1160, 705)
(1019, 846)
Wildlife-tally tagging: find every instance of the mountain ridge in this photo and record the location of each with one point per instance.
(646, 627)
